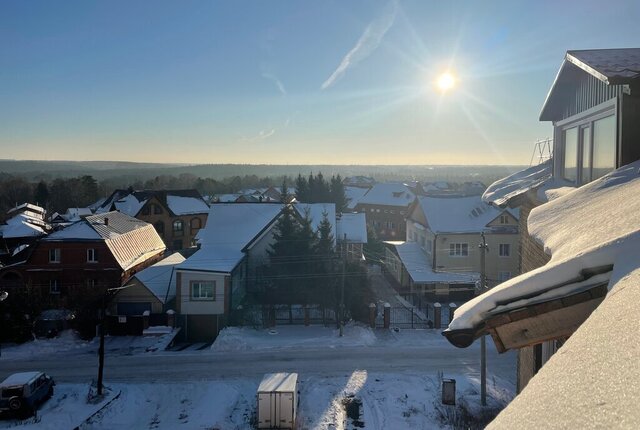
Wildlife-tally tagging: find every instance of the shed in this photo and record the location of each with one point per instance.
(278, 401)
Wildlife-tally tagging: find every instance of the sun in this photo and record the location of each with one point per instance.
(446, 81)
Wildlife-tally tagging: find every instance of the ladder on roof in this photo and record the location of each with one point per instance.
(542, 151)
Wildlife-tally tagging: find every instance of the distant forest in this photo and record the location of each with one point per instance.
(58, 185)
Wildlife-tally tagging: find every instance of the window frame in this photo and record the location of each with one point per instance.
(57, 255)
(54, 286)
(463, 252)
(201, 298)
(94, 255)
(502, 247)
(180, 231)
(581, 121)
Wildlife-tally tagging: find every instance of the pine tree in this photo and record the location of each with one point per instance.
(338, 195)
(284, 191)
(324, 246)
(302, 189)
(41, 194)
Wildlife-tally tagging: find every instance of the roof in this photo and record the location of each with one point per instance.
(416, 262)
(177, 202)
(458, 214)
(159, 278)
(19, 378)
(354, 226)
(388, 194)
(23, 225)
(278, 382)
(230, 228)
(593, 382)
(27, 207)
(611, 66)
(501, 192)
(584, 243)
(353, 195)
(130, 240)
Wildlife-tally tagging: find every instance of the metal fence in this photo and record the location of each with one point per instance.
(266, 315)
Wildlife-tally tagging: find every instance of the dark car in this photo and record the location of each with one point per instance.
(51, 322)
(21, 393)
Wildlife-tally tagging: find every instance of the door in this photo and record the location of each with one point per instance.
(265, 406)
(285, 412)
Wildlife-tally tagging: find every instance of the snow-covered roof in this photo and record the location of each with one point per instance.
(160, 279)
(416, 262)
(226, 198)
(593, 227)
(180, 205)
(388, 194)
(354, 226)
(129, 205)
(22, 225)
(28, 207)
(502, 191)
(230, 227)
(130, 240)
(354, 194)
(279, 382)
(458, 214)
(593, 381)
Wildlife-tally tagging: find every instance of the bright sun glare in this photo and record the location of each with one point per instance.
(446, 81)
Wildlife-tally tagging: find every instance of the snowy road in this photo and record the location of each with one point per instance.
(180, 366)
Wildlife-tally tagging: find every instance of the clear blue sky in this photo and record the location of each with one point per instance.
(344, 82)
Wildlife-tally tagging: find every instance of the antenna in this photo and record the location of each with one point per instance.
(542, 149)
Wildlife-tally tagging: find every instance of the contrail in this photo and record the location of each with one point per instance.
(367, 43)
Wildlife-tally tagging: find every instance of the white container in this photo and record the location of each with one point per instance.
(278, 401)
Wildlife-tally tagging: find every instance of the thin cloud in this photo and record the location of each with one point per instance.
(263, 135)
(367, 43)
(273, 78)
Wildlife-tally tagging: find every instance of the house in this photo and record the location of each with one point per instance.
(594, 106)
(99, 252)
(177, 215)
(353, 195)
(25, 225)
(215, 279)
(584, 300)
(151, 290)
(386, 208)
(233, 257)
(441, 259)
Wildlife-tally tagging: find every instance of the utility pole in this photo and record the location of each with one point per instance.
(483, 346)
(101, 348)
(344, 258)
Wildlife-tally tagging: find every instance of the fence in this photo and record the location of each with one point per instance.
(294, 314)
(413, 317)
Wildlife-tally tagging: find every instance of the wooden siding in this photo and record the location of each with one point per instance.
(582, 93)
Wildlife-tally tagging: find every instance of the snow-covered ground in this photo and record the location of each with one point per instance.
(69, 343)
(378, 401)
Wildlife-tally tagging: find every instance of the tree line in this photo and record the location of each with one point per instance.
(315, 189)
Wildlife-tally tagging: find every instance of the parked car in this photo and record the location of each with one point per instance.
(52, 321)
(21, 393)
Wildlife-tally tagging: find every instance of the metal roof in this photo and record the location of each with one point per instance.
(611, 66)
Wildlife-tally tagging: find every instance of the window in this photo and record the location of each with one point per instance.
(91, 283)
(92, 255)
(159, 226)
(203, 290)
(604, 146)
(504, 276)
(178, 227)
(54, 255)
(54, 286)
(505, 250)
(458, 249)
(196, 224)
(504, 219)
(570, 170)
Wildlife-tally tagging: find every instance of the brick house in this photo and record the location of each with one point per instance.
(177, 215)
(83, 260)
(386, 206)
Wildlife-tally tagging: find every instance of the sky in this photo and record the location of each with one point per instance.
(284, 82)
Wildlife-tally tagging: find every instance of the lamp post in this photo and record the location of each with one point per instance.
(3, 297)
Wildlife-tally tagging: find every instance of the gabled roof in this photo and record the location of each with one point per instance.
(388, 194)
(588, 232)
(27, 207)
(353, 195)
(458, 214)
(130, 240)
(159, 279)
(611, 66)
(177, 202)
(23, 226)
(230, 228)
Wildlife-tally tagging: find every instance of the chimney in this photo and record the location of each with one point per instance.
(106, 221)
